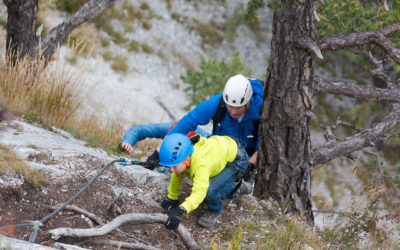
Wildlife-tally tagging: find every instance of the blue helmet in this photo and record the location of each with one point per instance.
(174, 150)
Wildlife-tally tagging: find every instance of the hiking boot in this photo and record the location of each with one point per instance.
(208, 219)
(245, 188)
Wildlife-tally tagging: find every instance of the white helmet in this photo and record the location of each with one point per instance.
(237, 91)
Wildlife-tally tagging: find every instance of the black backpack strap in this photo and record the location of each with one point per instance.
(221, 110)
(194, 139)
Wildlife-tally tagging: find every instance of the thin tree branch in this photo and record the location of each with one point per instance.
(59, 33)
(136, 218)
(349, 88)
(356, 39)
(324, 153)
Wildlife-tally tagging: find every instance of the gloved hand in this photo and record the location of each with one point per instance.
(249, 175)
(153, 161)
(174, 219)
(169, 204)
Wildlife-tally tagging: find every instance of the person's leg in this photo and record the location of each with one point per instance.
(220, 185)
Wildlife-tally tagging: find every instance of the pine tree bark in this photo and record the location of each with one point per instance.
(21, 24)
(284, 163)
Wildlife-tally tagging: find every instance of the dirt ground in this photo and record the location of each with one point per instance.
(20, 204)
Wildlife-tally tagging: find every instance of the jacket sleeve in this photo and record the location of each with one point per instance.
(143, 131)
(174, 189)
(201, 181)
(200, 115)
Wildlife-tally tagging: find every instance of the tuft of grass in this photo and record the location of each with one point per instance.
(107, 136)
(9, 160)
(147, 49)
(120, 64)
(84, 39)
(50, 96)
(107, 56)
(70, 6)
(286, 234)
(134, 46)
(29, 87)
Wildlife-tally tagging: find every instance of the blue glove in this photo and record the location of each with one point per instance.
(174, 219)
(169, 204)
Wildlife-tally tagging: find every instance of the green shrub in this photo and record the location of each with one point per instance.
(211, 78)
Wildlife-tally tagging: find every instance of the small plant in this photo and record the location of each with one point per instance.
(147, 49)
(134, 46)
(9, 160)
(3, 22)
(144, 6)
(107, 56)
(120, 64)
(211, 78)
(70, 6)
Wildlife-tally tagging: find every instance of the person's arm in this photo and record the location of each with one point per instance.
(200, 115)
(253, 158)
(143, 131)
(201, 181)
(174, 188)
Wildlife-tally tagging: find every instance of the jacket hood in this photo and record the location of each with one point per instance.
(256, 100)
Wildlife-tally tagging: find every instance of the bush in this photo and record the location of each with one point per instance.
(211, 78)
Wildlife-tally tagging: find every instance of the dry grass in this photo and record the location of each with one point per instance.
(9, 160)
(51, 96)
(83, 35)
(30, 87)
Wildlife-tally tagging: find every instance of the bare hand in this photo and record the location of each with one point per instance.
(253, 158)
(127, 148)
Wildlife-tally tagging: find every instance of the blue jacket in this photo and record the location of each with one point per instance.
(151, 130)
(244, 130)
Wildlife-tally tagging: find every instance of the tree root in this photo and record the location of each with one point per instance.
(96, 219)
(136, 218)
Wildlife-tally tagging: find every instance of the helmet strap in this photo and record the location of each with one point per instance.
(187, 163)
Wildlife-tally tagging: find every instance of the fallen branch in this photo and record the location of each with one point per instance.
(78, 210)
(136, 218)
(96, 219)
(124, 244)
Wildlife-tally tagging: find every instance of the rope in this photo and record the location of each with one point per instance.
(37, 224)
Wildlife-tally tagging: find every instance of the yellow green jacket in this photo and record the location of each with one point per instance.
(208, 159)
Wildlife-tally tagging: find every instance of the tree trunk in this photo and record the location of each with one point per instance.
(284, 163)
(21, 22)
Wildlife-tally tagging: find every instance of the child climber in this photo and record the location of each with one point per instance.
(215, 166)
